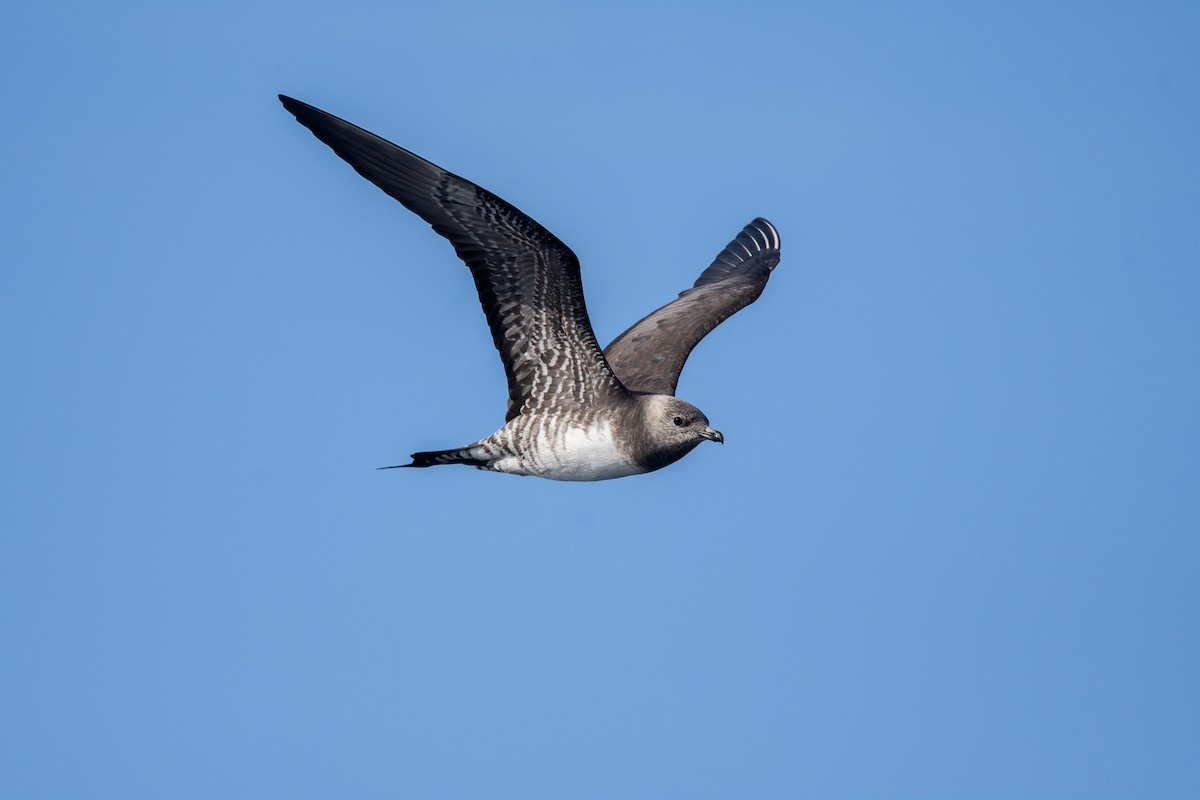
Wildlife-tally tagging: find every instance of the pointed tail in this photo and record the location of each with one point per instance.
(471, 455)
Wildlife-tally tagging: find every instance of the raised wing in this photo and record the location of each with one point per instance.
(528, 281)
(650, 355)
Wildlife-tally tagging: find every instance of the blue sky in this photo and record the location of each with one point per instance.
(949, 550)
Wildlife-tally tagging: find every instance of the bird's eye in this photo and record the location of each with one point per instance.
(679, 421)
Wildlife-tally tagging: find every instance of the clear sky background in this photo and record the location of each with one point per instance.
(951, 548)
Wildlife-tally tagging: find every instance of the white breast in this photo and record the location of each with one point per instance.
(571, 453)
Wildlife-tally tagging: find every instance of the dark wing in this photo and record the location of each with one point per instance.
(528, 281)
(650, 355)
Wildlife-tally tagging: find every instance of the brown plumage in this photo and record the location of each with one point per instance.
(574, 412)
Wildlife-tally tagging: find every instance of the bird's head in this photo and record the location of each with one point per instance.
(671, 428)
(679, 421)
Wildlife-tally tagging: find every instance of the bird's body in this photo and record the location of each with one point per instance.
(575, 413)
(577, 447)
(588, 444)
(580, 446)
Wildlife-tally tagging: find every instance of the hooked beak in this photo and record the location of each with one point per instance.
(711, 435)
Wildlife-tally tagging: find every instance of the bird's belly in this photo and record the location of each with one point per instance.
(573, 453)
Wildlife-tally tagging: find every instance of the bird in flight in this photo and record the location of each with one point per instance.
(575, 412)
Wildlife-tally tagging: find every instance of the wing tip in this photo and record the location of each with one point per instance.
(768, 231)
(757, 243)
